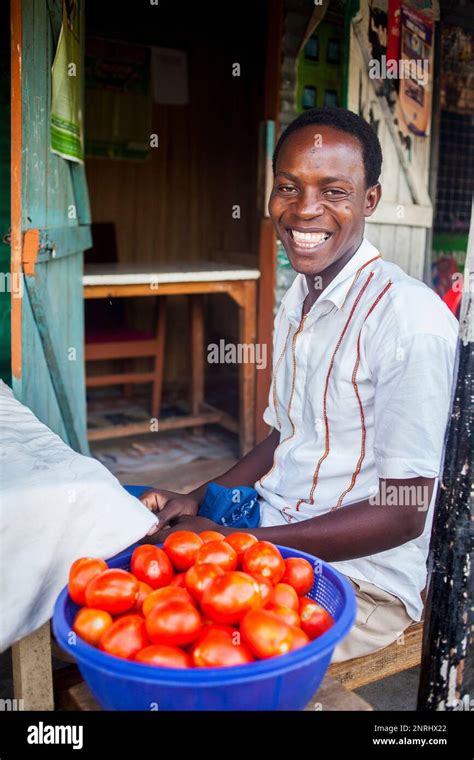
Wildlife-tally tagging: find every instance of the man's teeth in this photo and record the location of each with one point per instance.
(309, 239)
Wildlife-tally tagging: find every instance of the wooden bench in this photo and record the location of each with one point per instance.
(403, 654)
(32, 674)
(71, 693)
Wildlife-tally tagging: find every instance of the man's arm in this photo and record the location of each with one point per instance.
(246, 472)
(248, 469)
(357, 530)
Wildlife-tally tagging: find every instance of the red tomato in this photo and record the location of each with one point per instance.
(162, 595)
(125, 637)
(218, 647)
(240, 542)
(263, 558)
(198, 577)
(230, 596)
(133, 611)
(91, 624)
(290, 616)
(218, 553)
(143, 590)
(265, 634)
(164, 656)
(174, 623)
(208, 624)
(285, 595)
(299, 574)
(113, 590)
(178, 580)
(182, 547)
(266, 589)
(81, 572)
(151, 565)
(300, 639)
(211, 535)
(314, 618)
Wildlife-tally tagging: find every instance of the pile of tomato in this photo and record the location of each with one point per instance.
(202, 600)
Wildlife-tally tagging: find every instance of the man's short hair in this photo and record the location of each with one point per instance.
(344, 121)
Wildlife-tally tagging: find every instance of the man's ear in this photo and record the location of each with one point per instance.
(372, 197)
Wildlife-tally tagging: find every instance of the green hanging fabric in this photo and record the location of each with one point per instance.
(66, 115)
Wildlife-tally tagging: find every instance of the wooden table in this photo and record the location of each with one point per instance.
(193, 279)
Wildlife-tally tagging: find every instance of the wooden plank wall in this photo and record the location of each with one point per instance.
(177, 205)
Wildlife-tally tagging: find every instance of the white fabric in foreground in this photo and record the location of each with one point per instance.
(55, 506)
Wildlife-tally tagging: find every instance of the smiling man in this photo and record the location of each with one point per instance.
(363, 367)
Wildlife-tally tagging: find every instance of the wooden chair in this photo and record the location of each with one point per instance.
(107, 336)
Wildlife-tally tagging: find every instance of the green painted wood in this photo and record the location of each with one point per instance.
(53, 381)
(52, 355)
(81, 194)
(63, 241)
(55, 12)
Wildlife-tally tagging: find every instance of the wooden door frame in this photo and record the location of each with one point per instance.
(16, 178)
(31, 656)
(267, 237)
(46, 239)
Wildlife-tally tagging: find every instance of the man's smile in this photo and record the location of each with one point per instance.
(306, 240)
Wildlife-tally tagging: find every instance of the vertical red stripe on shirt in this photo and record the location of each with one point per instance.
(361, 408)
(326, 385)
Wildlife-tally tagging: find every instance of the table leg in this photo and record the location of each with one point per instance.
(248, 337)
(159, 359)
(32, 670)
(196, 334)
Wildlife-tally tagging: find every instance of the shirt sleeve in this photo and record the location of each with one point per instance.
(269, 415)
(413, 381)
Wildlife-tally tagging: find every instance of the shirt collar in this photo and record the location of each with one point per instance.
(337, 290)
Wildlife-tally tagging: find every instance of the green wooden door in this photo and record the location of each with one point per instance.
(55, 230)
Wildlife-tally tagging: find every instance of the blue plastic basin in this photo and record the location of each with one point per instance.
(286, 682)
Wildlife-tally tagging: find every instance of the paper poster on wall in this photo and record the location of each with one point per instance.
(169, 76)
(416, 36)
(393, 32)
(66, 133)
(118, 99)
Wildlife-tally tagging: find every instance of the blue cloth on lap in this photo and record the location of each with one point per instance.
(231, 507)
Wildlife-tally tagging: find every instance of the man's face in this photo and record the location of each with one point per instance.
(319, 198)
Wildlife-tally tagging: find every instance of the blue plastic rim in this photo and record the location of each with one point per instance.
(123, 684)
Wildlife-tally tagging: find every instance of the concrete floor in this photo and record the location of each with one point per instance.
(182, 460)
(398, 692)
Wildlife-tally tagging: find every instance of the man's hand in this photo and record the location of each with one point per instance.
(196, 524)
(169, 505)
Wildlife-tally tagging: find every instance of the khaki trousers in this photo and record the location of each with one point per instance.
(381, 618)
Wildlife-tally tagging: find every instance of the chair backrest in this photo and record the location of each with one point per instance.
(104, 244)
